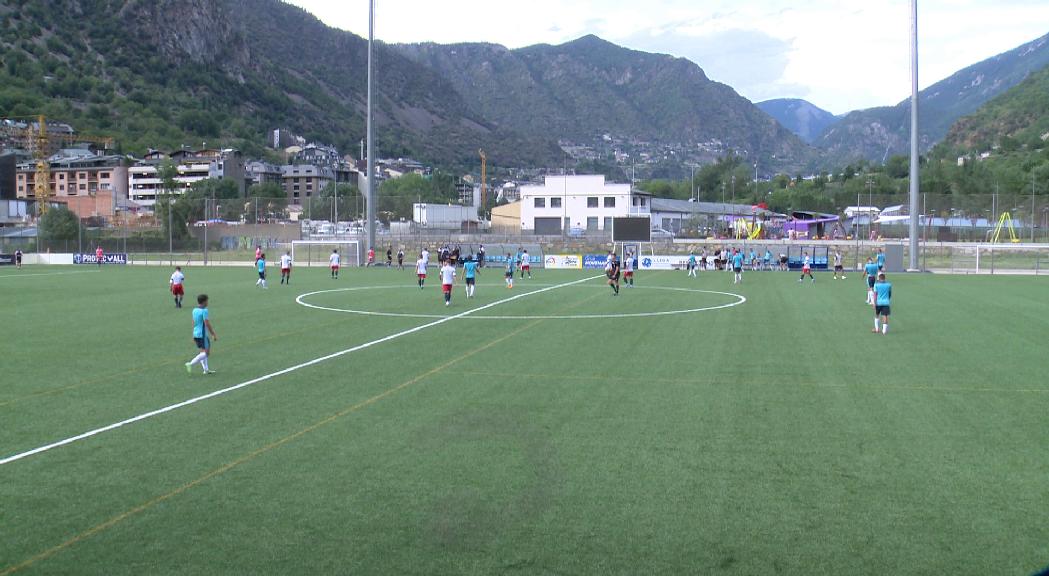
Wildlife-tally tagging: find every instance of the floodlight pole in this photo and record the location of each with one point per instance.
(913, 264)
(370, 227)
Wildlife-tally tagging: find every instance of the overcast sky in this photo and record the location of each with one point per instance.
(839, 58)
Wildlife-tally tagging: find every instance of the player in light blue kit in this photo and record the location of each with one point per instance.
(871, 272)
(882, 297)
(737, 266)
(470, 274)
(692, 265)
(201, 329)
(260, 264)
(880, 259)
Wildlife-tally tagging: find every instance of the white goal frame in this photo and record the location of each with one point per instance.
(350, 250)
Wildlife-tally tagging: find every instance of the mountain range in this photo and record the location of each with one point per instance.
(801, 117)
(877, 133)
(166, 73)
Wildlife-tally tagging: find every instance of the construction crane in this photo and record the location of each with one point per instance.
(41, 144)
(484, 175)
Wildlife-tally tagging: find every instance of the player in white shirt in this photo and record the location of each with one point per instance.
(333, 261)
(285, 268)
(420, 270)
(447, 280)
(177, 278)
(426, 256)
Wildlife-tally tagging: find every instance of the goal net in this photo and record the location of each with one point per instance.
(317, 252)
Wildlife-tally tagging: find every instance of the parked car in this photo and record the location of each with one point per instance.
(661, 234)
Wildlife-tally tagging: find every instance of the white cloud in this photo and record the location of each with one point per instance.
(840, 58)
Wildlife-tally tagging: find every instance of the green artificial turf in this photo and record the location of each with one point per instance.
(779, 436)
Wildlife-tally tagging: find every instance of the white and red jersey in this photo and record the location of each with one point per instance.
(99, 253)
(258, 252)
(177, 278)
(334, 259)
(448, 275)
(628, 264)
(805, 263)
(285, 262)
(420, 267)
(526, 262)
(426, 256)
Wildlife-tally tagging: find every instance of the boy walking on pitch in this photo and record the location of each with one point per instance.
(628, 269)
(612, 271)
(737, 267)
(806, 267)
(509, 271)
(177, 278)
(470, 274)
(871, 269)
(400, 259)
(100, 256)
(18, 259)
(526, 264)
(838, 268)
(692, 265)
(285, 268)
(333, 261)
(420, 270)
(260, 264)
(883, 295)
(447, 281)
(201, 329)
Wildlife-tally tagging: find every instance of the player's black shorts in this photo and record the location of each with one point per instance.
(782, 259)
(203, 343)
(870, 281)
(614, 276)
(470, 281)
(882, 310)
(880, 266)
(737, 269)
(838, 268)
(509, 274)
(262, 275)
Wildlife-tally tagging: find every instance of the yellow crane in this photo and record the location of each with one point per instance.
(41, 144)
(484, 178)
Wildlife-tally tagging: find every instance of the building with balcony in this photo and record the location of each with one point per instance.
(90, 184)
(144, 185)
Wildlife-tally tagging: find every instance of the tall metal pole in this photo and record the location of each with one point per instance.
(913, 265)
(370, 202)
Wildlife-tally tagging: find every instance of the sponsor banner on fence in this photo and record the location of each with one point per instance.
(595, 261)
(563, 261)
(662, 262)
(7, 259)
(106, 259)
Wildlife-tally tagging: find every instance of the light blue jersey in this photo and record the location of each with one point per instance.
(737, 260)
(880, 259)
(200, 315)
(692, 260)
(470, 269)
(871, 269)
(883, 293)
(261, 265)
(768, 256)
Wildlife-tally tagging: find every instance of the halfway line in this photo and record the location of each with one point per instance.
(272, 375)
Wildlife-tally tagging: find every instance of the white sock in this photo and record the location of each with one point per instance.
(885, 328)
(876, 323)
(197, 359)
(204, 364)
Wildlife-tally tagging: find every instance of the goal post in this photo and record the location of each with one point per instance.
(316, 252)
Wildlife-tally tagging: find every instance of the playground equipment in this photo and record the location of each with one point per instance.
(1006, 220)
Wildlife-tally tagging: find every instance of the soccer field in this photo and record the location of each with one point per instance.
(686, 426)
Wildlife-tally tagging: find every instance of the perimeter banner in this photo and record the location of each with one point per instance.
(106, 259)
(563, 261)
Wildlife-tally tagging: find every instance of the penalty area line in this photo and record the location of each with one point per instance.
(272, 375)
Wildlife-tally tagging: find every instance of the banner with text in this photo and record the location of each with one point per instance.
(106, 259)
(563, 261)
(662, 262)
(595, 261)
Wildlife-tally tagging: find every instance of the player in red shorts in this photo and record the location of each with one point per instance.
(100, 256)
(177, 278)
(447, 280)
(628, 269)
(371, 256)
(420, 270)
(285, 268)
(333, 261)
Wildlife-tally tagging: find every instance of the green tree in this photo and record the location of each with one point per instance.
(58, 225)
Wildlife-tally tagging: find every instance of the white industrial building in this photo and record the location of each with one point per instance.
(578, 203)
(145, 185)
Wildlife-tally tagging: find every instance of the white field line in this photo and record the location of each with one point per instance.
(18, 275)
(184, 403)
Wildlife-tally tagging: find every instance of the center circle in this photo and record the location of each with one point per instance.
(738, 299)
